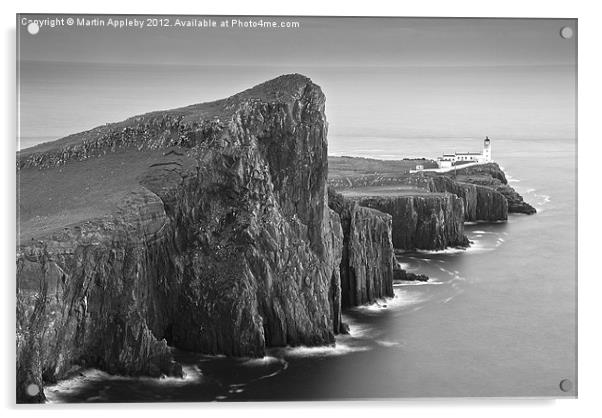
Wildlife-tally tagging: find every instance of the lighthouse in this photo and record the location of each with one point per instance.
(487, 149)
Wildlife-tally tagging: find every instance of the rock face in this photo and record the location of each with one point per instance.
(473, 184)
(481, 203)
(227, 247)
(491, 176)
(402, 275)
(368, 257)
(516, 204)
(429, 221)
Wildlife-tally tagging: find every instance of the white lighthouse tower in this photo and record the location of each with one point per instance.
(487, 149)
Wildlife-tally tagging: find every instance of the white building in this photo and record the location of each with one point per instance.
(449, 160)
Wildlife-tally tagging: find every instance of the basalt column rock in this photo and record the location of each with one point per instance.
(368, 256)
(481, 203)
(428, 221)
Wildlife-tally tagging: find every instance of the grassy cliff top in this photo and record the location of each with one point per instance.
(51, 198)
(339, 167)
(282, 89)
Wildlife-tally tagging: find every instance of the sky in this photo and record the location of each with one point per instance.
(383, 77)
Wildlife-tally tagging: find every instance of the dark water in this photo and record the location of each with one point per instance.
(496, 320)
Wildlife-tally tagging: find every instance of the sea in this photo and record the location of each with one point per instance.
(495, 320)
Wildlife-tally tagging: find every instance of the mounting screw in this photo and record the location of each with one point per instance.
(566, 385)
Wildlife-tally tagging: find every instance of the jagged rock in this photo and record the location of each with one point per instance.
(492, 176)
(480, 203)
(368, 256)
(400, 274)
(223, 244)
(429, 221)
(344, 328)
(516, 204)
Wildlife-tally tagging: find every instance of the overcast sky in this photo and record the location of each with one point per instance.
(394, 77)
(318, 41)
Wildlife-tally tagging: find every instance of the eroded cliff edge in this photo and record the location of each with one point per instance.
(368, 260)
(224, 243)
(428, 221)
(428, 209)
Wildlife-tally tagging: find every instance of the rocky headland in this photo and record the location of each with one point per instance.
(212, 228)
(484, 188)
(205, 228)
(428, 209)
(493, 177)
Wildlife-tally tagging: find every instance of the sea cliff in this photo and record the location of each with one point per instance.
(222, 243)
(210, 228)
(429, 221)
(368, 258)
(421, 218)
(481, 203)
(492, 176)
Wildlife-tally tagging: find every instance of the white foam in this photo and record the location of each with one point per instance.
(541, 200)
(509, 177)
(404, 266)
(191, 374)
(387, 343)
(431, 281)
(451, 250)
(477, 247)
(402, 299)
(357, 330)
(339, 349)
(277, 372)
(264, 361)
(447, 300)
(234, 390)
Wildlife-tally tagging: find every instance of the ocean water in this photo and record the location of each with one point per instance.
(498, 319)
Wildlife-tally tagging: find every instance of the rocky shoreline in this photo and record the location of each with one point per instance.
(226, 239)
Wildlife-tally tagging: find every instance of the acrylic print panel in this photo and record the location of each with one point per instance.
(295, 208)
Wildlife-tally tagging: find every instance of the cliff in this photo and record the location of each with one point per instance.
(209, 231)
(492, 176)
(368, 257)
(483, 188)
(481, 203)
(429, 221)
